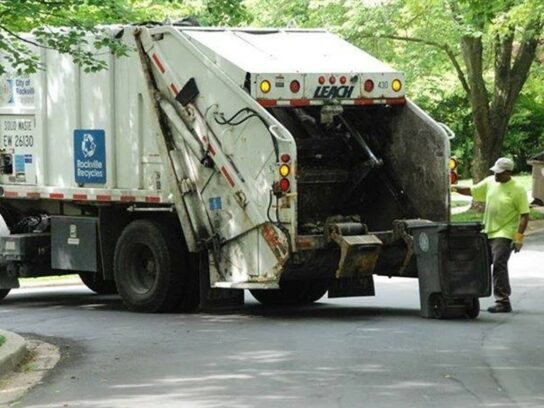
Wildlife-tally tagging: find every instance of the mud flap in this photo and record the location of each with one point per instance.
(215, 298)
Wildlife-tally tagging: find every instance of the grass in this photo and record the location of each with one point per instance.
(2, 340)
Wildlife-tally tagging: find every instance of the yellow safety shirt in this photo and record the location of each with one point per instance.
(504, 203)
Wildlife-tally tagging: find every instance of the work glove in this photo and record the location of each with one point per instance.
(517, 242)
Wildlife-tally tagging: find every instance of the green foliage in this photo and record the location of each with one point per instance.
(525, 137)
(224, 13)
(432, 27)
(79, 19)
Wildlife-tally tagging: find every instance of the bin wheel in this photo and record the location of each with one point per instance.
(97, 284)
(473, 308)
(151, 268)
(438, 306)
(4, 293)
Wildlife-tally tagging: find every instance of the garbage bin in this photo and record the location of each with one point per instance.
(538, 178)
(453, 268)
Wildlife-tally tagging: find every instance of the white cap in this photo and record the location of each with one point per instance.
(502, 164)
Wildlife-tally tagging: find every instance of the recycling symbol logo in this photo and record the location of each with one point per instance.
(88, 146)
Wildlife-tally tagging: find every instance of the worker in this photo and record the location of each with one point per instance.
(505, 220)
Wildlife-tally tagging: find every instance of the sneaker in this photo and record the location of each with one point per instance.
(500, 308)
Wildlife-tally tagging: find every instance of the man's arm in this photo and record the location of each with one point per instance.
(461, 190)
(517, 242)
(523, 221)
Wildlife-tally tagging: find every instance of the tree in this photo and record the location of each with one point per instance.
(79, 19)
(490, 46)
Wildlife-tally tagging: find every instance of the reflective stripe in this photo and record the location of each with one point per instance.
(227, 176)
(103, 197)
(267, 103)
(152, 199)
(299, 102)
(56, 196)
(158, 63)
(79, 196)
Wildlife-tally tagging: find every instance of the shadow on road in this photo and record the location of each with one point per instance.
(84, 300)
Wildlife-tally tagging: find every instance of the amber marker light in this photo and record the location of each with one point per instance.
(265, 86)
(284, 170)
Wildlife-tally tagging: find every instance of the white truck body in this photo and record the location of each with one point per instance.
(199, 122)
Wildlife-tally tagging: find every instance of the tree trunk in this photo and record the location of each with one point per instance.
(491, 112)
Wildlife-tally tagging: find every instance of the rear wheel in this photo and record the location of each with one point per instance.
(4, 293)
(151, 269)
(292, 293)
(97, 284)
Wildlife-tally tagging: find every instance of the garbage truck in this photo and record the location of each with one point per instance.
(209, 161)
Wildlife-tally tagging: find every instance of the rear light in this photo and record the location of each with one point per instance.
(322, 80)
(284, 170)
(294, 86)
(454, 176)
(396, 85)
(369, 85)
(285, 158)
(265, 86)
(343, 80)
(285, 185)
(332, 80)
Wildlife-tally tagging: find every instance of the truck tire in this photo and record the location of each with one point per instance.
(97, 284)
(4, 293)
(150, 268)
(292, 293)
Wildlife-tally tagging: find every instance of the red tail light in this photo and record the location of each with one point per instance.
(369, 85)
(322, 80)
(294, 86)
(343, 80)
(285, 158)
(453, 177)
(285, 185)
(332, 80)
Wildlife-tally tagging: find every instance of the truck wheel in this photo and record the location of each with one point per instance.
(473, 308)
(315, 291)
(97, 284)
(291, 293)
(4, 293)
(150, 267)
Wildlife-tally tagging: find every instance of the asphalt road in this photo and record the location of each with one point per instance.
(362, 352)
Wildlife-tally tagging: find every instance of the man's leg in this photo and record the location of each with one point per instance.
(500, 250)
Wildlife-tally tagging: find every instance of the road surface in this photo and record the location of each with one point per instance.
(361, 352)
